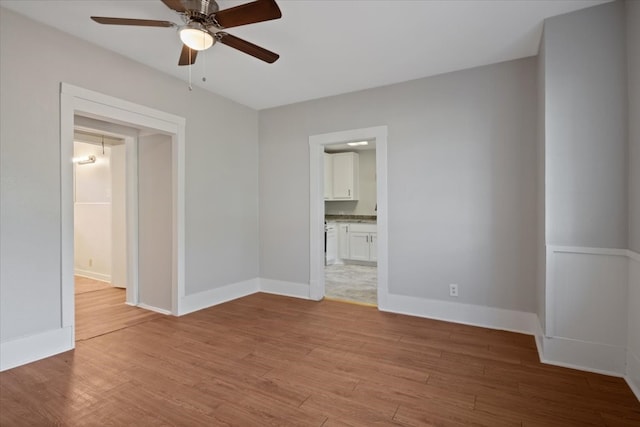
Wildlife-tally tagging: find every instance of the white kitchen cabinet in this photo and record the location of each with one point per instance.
(345, 176)
(359, 246)
(373, 247)
(332, 243)
(362, 242)
(343, 241)
(328, 176)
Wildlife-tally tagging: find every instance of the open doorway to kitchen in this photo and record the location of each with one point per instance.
(350, 208)
(364, 234)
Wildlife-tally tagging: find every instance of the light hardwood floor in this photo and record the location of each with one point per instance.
(101, 309)
(270, 360)
(85, 284)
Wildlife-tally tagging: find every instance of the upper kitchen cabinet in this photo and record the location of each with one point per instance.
(345, 172)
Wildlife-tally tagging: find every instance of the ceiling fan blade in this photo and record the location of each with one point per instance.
(137, 22)
(175, 5)
(185, 59)
(249, 13)
(248, 48)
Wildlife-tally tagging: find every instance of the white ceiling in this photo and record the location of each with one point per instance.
(326, 47)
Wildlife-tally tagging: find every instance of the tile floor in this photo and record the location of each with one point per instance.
(356, 283)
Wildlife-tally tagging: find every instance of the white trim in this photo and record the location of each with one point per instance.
(152, 115)
(179, 182)
(551, 251)
(633, 373)
(280, 287)
(93, 275)
(28, 349)
(633, 360)
(75, 100)
(634, 388)
(588, 250)
(131, 211)
(468, 314)
(555, 345)
(209, 298)
(67, 288)
(316, 206)
(152, 308)
(586, 356)
(549, 302)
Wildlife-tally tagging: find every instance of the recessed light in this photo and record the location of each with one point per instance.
(354, 144)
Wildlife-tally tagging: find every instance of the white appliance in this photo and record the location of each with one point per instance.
(330, 243)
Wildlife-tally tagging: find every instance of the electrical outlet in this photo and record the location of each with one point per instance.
(453, 290)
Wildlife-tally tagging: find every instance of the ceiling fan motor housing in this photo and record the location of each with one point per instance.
(203, 7)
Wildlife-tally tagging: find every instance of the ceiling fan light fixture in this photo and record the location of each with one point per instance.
(196, 38)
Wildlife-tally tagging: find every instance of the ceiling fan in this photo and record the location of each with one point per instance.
(204, 24)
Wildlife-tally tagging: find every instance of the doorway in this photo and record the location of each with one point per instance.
(100, 230)
(99, 196)
(165, 131)
(350, 272)
(318, 144)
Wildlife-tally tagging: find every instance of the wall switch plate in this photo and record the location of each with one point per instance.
(453, 290)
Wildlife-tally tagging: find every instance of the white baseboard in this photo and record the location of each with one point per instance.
(468, 314)
(633, 334)
(280, 287)
(190, 303)
(152, 308)
(93, 275)
(633, 373)
(586, 356)
(28, 349)
(590, 332)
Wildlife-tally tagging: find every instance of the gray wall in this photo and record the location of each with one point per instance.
(461, 182)
(586, 128)
(221, 168)
(633, 75)
(155, 226)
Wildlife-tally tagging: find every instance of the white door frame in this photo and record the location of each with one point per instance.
(316, 206)
(78, 101)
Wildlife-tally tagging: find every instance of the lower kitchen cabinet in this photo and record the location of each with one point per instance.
(343, 241)
(331, 248)
(362, 242)
(362, 246)
(355, 242)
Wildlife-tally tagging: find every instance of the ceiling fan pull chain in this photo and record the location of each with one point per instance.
(204, 67)
(190, 65)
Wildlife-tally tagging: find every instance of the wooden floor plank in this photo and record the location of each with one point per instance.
(270, 360)
(102, 310)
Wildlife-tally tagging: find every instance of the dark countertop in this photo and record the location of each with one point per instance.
(352, 218)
